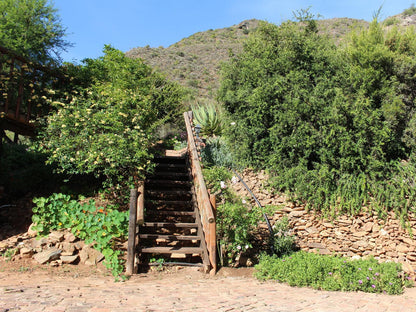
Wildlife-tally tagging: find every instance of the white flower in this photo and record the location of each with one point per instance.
(232, 124)
(243, 201)
(239, 247)
(235, 180)
(246, 246)
(223, 185)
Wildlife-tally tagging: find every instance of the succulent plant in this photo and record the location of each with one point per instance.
(207, 116)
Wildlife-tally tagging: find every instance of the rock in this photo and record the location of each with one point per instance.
(402, 248)
(316, 245)
(325, 233)
(408, 241)
(368, 227)
(324, 252)
(360, 234)
(26, 251)
(38, 243)
(312, 230)
(31, 232)
(3, 246)
(297, 214)
(407, 268)
(90, 256)
(56, 237)
(47, 256)
(69, 259)
(68, 249)
(383, 232)
(376, 228)
(69, 237)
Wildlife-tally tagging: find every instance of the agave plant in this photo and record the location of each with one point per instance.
(207, 116)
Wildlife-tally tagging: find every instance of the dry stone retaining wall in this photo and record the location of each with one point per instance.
(358, 236)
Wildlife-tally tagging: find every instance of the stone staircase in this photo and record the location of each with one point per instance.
(172, 231)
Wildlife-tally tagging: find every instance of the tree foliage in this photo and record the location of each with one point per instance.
(108, 127)
(32, 28)
(325, 119)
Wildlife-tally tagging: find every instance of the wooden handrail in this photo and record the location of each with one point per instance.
(203, 198)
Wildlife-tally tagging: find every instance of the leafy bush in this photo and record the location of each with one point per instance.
(333, 273)
(235, 226)
(108, 128)
(102, 227)
(283, 242)
(331, 123)
(217, 180)
(217, 153)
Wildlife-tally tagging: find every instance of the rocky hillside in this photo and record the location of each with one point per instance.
(195, 61)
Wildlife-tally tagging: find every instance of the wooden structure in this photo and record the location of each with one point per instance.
(173, 213)
(24, 88)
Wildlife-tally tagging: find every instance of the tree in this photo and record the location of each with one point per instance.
(32, 28)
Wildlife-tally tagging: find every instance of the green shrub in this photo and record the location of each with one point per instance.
(331, 123)
(304, 269)
(214, 176)
(102, 227)
(283, 243)
(217, 180)
(217, 153)
(390, 21)
(235, 226)
(108, 129)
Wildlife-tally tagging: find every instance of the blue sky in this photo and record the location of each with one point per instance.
(126, 24)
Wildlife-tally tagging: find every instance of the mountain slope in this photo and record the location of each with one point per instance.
(195, 61)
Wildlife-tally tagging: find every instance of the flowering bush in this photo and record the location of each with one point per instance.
(108, 127)
(235, 226)
(333, 273)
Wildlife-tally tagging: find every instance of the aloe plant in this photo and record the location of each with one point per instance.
(207, 116)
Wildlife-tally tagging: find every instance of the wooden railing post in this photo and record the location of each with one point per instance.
(132, 233)
(140, 204)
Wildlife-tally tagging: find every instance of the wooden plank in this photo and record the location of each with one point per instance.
(170, 224)
(171, 213)
(170, 250)
(170, 237)
(132, 233)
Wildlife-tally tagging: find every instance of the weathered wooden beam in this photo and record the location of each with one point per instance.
(131, 246)
(140, 204)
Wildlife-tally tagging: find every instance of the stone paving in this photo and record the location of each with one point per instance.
(187, 291)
